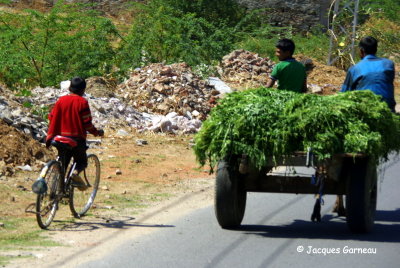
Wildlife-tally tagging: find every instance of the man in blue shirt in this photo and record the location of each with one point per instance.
(373, 73)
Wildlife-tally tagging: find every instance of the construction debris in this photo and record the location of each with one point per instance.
(162, 89)
(243, 69)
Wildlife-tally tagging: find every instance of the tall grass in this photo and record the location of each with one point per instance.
(312, 45)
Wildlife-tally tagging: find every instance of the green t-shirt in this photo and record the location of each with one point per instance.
(290, 75)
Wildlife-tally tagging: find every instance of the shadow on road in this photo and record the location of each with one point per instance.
(123, 222)
(386, 229)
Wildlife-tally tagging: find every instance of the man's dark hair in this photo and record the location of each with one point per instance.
(286, 45)
(78, 85)
(369, 45)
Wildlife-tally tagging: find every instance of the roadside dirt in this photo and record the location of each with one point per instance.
(152, 177)
(19, 149)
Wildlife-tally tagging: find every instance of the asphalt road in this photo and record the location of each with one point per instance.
(276, 232)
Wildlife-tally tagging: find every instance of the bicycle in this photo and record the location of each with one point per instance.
(59, 185)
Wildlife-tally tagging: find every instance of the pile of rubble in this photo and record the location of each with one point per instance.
(245, 69)
(105, 111)
(18, 150)
(162, 89)
(110, 113)
(13, 112)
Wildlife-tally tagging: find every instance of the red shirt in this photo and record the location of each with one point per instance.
(71, 117)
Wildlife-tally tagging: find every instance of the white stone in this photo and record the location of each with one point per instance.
(195, 113)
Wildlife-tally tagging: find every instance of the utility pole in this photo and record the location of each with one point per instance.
(342, 27)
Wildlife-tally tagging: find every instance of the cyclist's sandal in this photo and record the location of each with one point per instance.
(78, 182)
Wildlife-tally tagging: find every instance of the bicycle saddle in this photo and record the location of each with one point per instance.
(62, 142)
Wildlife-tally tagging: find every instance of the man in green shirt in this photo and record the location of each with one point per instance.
(290, 74)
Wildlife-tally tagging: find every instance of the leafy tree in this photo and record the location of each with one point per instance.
(166, 31)
(44, 49)
(228, 12)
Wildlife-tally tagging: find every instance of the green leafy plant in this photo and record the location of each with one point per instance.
(162, 33)
(269, 124)
(387, 9)
(41, 110)
(227, 12)
(204, 71)
(43, 49)
(196, 32)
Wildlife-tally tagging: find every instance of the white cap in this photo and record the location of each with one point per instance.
(65, 84)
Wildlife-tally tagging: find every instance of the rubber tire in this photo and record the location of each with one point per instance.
(361, 195)
(53, 184)
(88, 195)
(230, 197)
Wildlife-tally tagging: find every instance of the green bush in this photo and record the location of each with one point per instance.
(164, 33)
(44, 49)
(227, 12)
(388, 9)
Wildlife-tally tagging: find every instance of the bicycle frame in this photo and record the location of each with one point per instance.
(66, 175)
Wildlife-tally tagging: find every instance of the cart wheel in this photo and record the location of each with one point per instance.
(361, 195)
(230, 197)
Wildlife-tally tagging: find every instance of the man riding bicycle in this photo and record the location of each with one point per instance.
(71, 118)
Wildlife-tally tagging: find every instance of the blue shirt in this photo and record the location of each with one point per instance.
(375, 74)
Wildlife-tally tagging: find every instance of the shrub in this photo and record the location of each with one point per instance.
(387, 9)
(44, 49)
(165, 33)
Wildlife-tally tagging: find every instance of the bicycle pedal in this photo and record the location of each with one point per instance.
(31, 208)
(80, 186)
(78, 182)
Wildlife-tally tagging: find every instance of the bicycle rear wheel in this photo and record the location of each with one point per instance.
(47, 203)
(81, 201)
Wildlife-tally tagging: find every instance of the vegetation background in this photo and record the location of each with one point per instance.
(40, 48)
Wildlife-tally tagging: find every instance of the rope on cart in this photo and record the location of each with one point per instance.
(318, 181)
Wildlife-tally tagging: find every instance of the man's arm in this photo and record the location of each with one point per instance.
(87, 120)
(270, 83)
(304, 89)
(348, 84)
(273, 76)
(50, 131)
(51, 114)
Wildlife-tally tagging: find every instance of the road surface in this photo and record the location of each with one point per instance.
(276, 232)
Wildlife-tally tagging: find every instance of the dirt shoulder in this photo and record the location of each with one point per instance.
(159, 181)
(92, 238)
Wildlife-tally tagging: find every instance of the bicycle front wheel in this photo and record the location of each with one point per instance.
(47, 203)
(81, 201)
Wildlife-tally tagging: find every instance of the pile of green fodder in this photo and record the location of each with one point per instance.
(270, 124)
